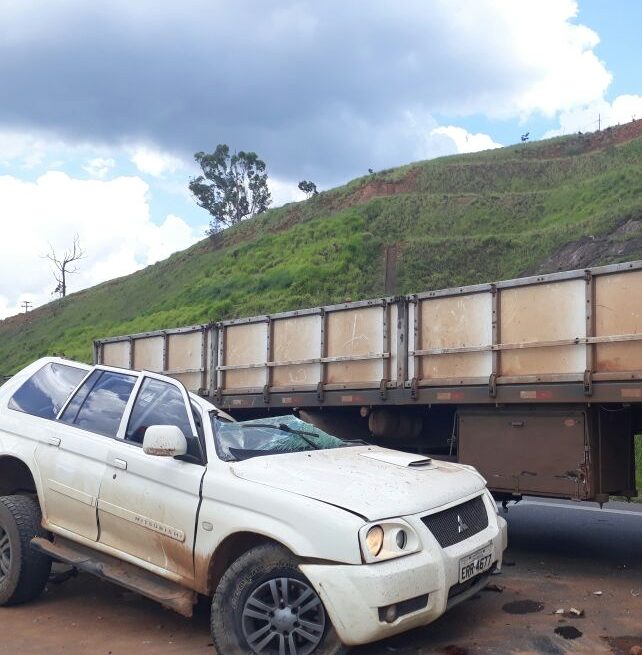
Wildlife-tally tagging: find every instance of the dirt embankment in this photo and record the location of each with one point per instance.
(579, 144)
(376, 186)
(586, 142)
(623, 242)
(379, 187)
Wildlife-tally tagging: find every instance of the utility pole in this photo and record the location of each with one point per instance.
(599, 122)
(26, 305)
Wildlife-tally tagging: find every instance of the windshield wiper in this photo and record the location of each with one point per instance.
(286, 428)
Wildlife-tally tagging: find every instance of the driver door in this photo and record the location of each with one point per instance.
(147, 506)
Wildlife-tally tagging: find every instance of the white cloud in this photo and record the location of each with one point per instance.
(113, 222)
(171, 235)
(26, 150)
(99, 167)
(600, 114)
(465, 141)
(525, 58)
(332, 79)
(154, 162)
(551, 54)
(283, 192)
(416, 135)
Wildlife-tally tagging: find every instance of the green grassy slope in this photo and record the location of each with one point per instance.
(551, 205)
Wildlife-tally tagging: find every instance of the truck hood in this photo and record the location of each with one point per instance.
(374, 482)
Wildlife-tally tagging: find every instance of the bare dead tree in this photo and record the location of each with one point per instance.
(63, 264)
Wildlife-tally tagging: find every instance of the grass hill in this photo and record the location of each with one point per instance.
(564, 203)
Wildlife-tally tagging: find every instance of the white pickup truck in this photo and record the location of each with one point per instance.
(306, 543)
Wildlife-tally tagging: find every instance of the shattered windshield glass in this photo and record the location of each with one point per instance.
(270, 436)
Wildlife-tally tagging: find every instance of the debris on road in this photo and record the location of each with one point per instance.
(571, 613)
(494, 587)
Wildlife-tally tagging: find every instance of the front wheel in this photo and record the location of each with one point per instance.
(264, 605)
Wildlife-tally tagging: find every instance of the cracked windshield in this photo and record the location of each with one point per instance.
(270, 436)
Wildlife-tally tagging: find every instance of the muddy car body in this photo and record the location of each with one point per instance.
(305, 542)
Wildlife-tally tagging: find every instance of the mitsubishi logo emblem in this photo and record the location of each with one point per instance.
(461, 526)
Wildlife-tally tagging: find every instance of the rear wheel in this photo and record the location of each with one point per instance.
(264, 605)
(23, 572)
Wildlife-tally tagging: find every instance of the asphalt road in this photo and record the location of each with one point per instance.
(560, 555)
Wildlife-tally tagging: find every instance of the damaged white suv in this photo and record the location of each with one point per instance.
(305, 542)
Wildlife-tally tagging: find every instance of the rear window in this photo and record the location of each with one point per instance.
(46, 391)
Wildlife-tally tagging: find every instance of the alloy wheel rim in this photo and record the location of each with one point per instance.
(5, 554)
(283, 616)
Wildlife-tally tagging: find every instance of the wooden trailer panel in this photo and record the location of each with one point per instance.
(356, 350)
(577, 326)
(453, 323)
(297, 339)
(243, 356)
(148, 354)
(186, 358)
(116, 353)
(618, 311)
(535, 314)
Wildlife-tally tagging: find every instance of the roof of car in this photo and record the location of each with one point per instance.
(39, 363)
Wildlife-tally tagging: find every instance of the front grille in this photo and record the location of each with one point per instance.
(458, 523)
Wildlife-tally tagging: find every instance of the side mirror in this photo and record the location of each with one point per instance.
(164, 441)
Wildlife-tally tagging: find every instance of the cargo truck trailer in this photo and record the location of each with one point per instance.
(536, 381)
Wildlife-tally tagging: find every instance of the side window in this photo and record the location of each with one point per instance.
(72, 409)
(99, 404)
(46, 391)
(160, 403)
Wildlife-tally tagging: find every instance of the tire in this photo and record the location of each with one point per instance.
(23, 571)
(254, 582)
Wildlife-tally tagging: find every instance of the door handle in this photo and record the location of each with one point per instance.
(54, 441)
(120, 464)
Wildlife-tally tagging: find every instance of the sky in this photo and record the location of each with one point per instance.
(103, 105)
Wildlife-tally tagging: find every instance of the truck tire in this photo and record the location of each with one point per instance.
(257, 607)
(23, 571)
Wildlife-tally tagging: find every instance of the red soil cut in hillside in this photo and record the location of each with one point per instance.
(589, 141)
(378, 187)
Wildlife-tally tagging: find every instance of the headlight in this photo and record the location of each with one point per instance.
(388, 539)
(374, 540)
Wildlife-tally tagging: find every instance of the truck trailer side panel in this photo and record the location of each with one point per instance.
(435, 370)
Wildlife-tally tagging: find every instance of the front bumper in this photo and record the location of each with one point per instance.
(355, 595)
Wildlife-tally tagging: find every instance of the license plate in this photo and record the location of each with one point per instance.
(475, 563)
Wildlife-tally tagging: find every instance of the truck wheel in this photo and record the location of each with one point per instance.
(23, 572)
(264, 605)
